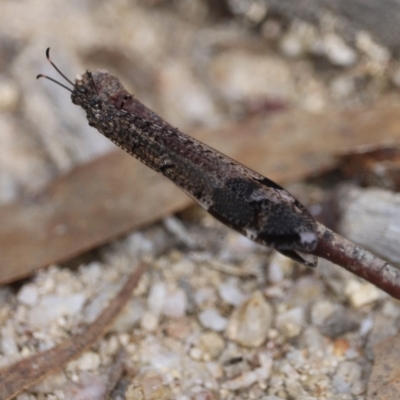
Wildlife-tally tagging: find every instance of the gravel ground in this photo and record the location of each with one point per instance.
(216, 316)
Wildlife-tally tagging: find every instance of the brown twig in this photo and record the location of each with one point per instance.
(23, 374)
(357, 260)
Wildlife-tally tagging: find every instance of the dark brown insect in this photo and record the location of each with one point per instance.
(234, 194)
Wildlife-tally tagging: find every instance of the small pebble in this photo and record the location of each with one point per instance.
(275, 270)
(52, 307)
(175, 304)
(149, 321)
(366, 326)
(129, 317)
(338, 323)
(291, 322)
(148, 386)
(9, 95)
(55, 381)
(211, 345)
(177, 328)
(204, 295)
(347, 374)
(28, 295)
(89, 386)
(291, 45)
(177, 228)
(361, 293)
(368, 46)
(156, 298)
(88, 361)
(391, 309)
(230, 293)
(304, 291)
(236, 247)
(338, 52)
(320, 311)
(212, 319)
(313, 340)
(250, 322)
(341, 346)
(7, 342)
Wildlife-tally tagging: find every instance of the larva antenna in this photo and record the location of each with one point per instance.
(58, 70)
(53, 80)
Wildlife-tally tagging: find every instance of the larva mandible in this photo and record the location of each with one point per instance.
(236, 195)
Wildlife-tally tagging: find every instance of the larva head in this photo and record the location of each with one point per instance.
(97, 87)
(91, 89)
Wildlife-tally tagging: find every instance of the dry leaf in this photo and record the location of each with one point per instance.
(373, 166)
(92, 205)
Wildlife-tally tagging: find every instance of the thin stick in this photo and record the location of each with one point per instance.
(357, 260)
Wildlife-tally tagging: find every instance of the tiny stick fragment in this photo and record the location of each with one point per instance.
(20, 376)
(234, 194)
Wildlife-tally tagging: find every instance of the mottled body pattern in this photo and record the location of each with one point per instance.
(237, 196)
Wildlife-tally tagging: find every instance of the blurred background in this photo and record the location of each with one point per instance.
(305, 92)
(198, 63)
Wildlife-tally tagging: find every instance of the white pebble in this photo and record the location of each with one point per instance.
(347, 374)
(9, 95)
(231, 294)
(291, 322)
(391, 309)
(211, 345)
(53, 307)
(175, 304)
(8, 345)
(88, 361)
(149, 321)
(338, 52)
(313, 339)
(376, 52)
(28, 295)
(129, 317)
(55, 381)
(176, 227)
(291, 46)
(156, 298)
(89, 386)
(204, 295)
(321, 310)
(250, 322)
(361, 293)
(213, 320)
(366, 326)
(275, 270)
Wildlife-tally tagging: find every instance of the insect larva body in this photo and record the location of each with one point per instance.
(234, 194)
(237, 196)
